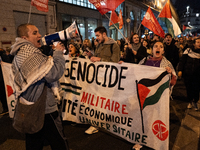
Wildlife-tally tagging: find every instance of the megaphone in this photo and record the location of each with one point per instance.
(72, 32)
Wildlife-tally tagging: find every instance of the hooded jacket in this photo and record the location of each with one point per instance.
(33, 70)
(108, 51)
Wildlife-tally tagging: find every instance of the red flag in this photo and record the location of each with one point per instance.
(150, 22)
(184, 27)
(121, 23)
(113, 18)
(103, 6)
(41, 5)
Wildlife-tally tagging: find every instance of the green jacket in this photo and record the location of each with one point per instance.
(108, 51)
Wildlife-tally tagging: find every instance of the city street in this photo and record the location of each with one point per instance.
(184, 130)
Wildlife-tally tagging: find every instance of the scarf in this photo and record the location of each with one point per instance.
(29, 66)
(136, 47)
(191, 53)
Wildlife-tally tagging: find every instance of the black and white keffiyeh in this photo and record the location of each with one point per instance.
(29, 66)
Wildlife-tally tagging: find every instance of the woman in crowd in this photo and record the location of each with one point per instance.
(158, 60)
(127, 56)
(74, 51)
(189, 68)
(145, 43)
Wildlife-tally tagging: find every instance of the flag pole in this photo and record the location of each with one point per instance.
(116, 28)
(139, 28)
(29, 16)
(142, 120)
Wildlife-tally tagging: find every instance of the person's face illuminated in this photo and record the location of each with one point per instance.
(197, 44)
(168, 40)
(136, 39)
(158, 50)
(72, 50)
(33, 36)
(100, 37)
(144, 43)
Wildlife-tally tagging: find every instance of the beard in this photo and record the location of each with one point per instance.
(103, 40)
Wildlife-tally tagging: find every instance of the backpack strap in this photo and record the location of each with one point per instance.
(111, 48)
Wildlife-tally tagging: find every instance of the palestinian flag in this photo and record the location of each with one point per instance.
(113, 20)
(171, 19)
(150, 97)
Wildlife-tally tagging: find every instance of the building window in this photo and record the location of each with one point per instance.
(92, 25)
(83, 3)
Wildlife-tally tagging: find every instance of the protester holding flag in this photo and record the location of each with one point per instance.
(39, 72)
(138, 50)
(158, 60)
(189, 68)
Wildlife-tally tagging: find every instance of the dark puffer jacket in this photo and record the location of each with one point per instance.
(190, 66)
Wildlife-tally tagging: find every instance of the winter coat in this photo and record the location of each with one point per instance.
(190, 63)
(172, 54)
(108, 51)
(47, 72)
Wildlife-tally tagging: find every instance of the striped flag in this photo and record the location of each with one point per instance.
(150, 22)
(171, 19)
(117, 20)
(68, 87)
(148, 97)
(113, 19)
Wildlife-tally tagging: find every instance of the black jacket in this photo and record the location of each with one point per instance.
(190, 66)
(172, 54)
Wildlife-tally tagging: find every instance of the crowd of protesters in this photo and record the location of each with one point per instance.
(181, 55)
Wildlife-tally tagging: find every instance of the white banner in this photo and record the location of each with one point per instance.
(128, 100)
(8, 82)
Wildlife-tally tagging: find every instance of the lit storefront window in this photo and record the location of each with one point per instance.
(83, 3)
(92, 25)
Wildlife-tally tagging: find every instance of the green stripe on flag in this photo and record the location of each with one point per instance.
(112, 27)
(168, 25)
(153, 99)
(68, 90)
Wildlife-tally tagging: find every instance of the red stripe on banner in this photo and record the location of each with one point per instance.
(143, 91)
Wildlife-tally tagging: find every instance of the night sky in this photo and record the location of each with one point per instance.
(181, 5)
